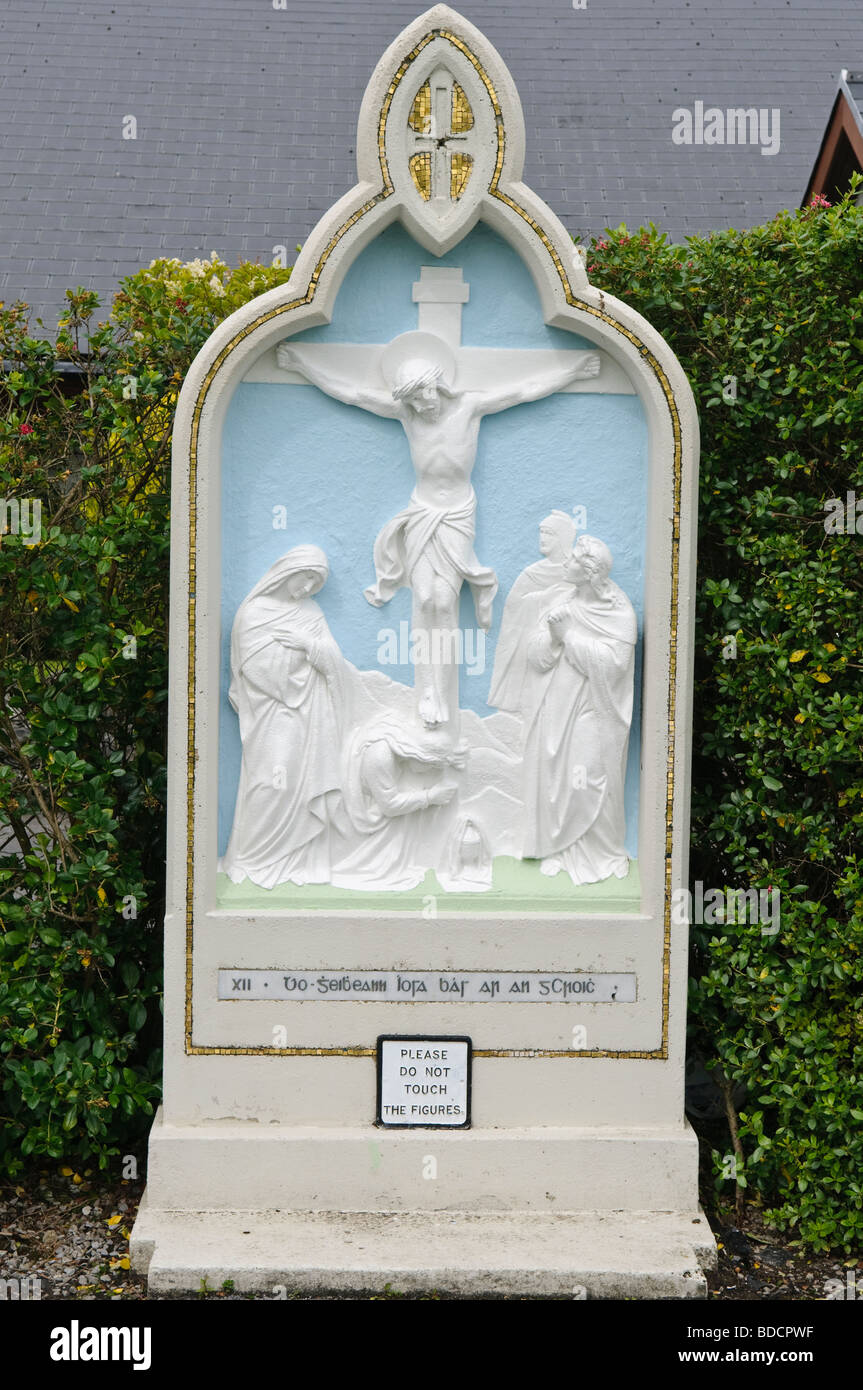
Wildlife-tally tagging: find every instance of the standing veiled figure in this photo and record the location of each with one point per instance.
(577, 705)
(524, 606)
(287, 678)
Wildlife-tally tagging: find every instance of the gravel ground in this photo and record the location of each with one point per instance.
(756, 1266)
(71, 1230)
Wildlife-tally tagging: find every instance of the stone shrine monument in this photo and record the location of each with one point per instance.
(431, 661)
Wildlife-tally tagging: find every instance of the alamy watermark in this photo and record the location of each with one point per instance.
(77, 1343)
(737, 125)
(727, 906)
(844, 517)
(22, 518)
(434, 646)
(850, 1288)
(26, 1289)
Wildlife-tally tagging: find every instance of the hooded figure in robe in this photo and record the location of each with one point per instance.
(287, 686)
(524, 606)
(577, 704)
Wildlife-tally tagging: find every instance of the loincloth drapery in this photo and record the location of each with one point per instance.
(441, 536)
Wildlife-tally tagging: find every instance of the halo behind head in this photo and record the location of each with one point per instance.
(415, 359)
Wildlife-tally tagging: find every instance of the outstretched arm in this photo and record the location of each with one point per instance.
(379, 402)
(585, 369)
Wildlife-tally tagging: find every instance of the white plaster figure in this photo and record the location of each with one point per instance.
(429, 545)
(470, 865)
(523, 608)
(340, 782)
(577, 701)
(287, 679)
(395, 775)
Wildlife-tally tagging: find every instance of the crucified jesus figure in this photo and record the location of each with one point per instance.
(429, 545)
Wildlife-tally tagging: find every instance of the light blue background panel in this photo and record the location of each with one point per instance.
(341, 473)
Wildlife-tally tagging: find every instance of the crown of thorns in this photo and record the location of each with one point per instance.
(410, 379)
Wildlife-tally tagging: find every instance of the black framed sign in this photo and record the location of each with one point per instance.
(423, 1082)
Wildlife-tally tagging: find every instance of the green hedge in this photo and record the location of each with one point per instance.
(82, 715)
(778, 741)
(777, 782)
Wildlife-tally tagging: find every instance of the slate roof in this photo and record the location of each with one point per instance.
(246, 118)
(841, 151)
(853, 86)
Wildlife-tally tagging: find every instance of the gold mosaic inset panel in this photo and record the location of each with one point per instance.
(420, 116)
(462, 116)
(460, 172)
(420, 166)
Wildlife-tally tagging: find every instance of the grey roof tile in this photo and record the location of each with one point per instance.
(246, 118)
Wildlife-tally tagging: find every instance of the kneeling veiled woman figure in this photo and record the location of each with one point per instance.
(287, 675)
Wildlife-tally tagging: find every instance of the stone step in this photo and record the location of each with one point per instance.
(614, 1255)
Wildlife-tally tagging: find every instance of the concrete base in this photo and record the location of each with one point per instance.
(530, 1212)
(454, 1254)
(235, 1165)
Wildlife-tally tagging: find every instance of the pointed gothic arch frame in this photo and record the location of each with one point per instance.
(384, 194)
